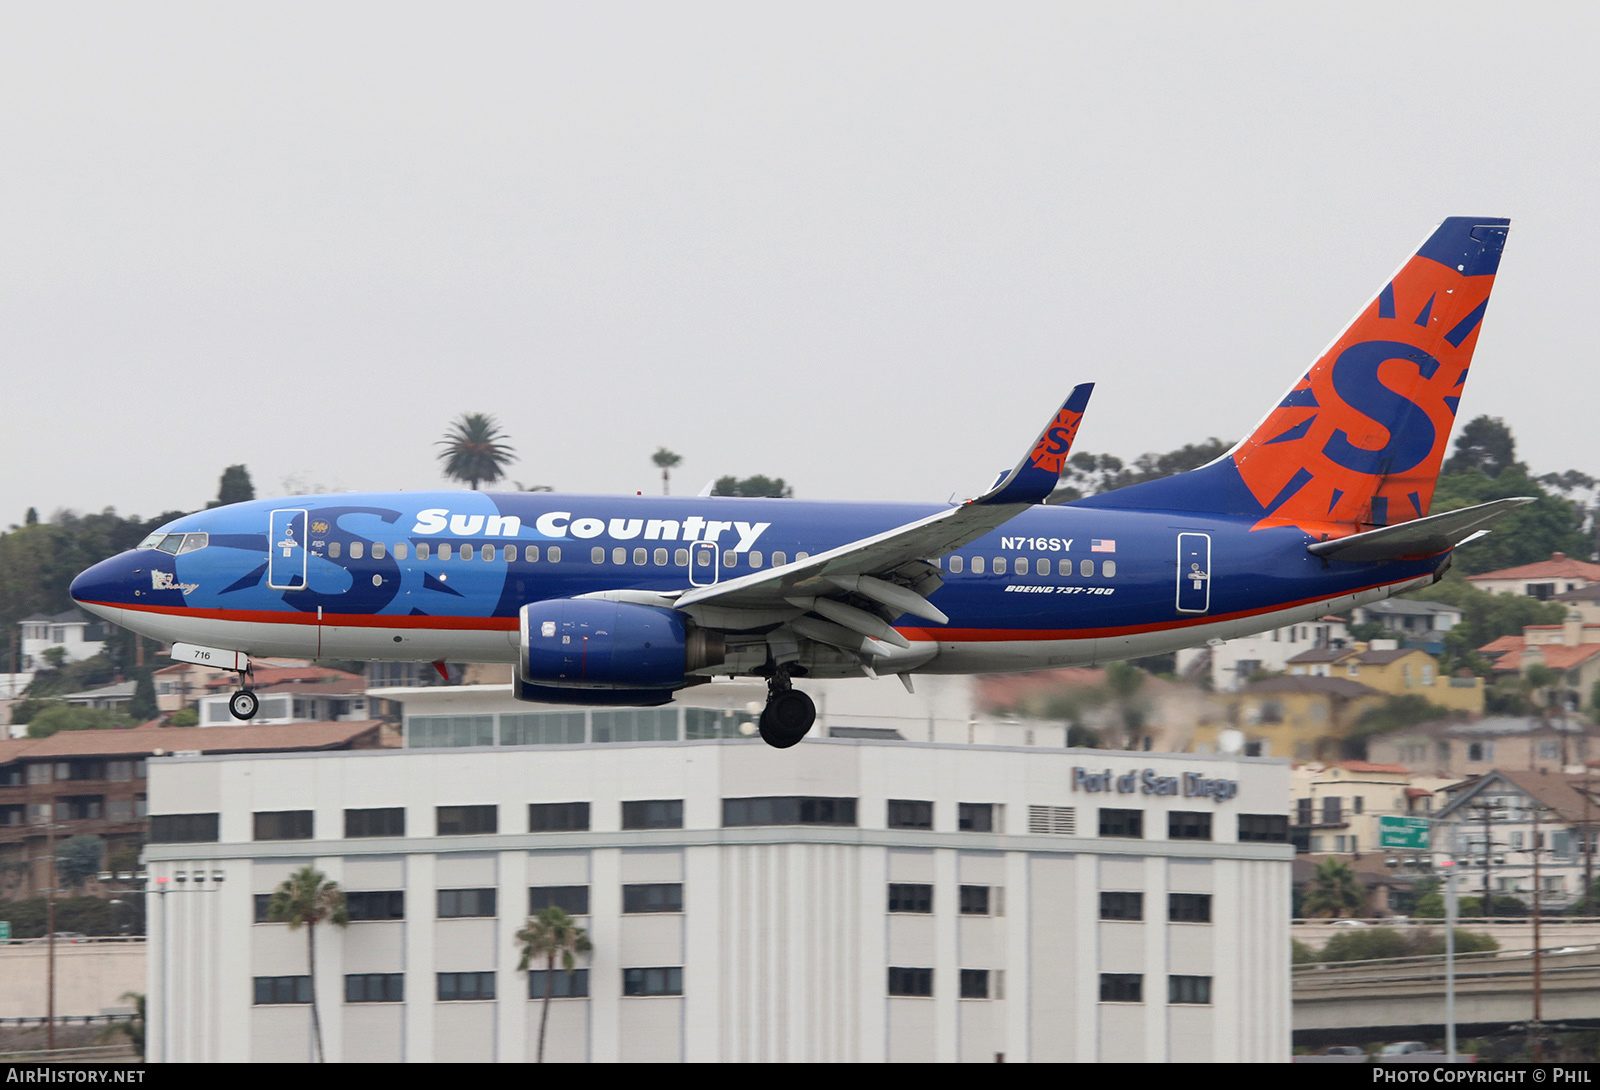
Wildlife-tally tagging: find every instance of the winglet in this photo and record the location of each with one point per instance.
(1037, 475)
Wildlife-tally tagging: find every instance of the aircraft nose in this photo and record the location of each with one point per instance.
(101, 588)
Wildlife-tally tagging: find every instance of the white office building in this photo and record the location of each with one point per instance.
(847, 899)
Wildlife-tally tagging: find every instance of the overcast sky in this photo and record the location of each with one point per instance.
(864, 247)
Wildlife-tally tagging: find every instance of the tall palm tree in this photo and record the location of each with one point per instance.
(666, 460)
(1334, 890)
(473, 451)
(549, 933)
(307, 897)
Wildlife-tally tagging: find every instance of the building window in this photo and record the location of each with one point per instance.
(464, 987)
(1053, 820)
(466, 820)
(389, 821)
(910, 814)
(652, 897)
(1118, 905)
(660, 981)
(1128, 823)
(263, 902)
(542, 729)
(788, 810)
(636, 725)
(456, 904)
(573, 900)
(449, 731)
(1266, 828)
(974, 984)
(183, 829)
(1188, 825)
(974, 900)
(1188, 989)
(388, 904)
(653, 814)
(282, 989)
(913, 982)
(975, 817)
(1189, 907)
(374, 988)
(910, 897)
(563, 985)
(1121, 988)
(558, 817)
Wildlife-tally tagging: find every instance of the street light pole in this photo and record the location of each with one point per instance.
(1450, 959)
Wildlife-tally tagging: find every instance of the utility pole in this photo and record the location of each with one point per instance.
(1536, 1027)
(50, 929)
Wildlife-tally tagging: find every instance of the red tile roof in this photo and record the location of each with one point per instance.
(1559, 566)
(145, 743)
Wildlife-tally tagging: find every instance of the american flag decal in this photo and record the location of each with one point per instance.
(1102, 545)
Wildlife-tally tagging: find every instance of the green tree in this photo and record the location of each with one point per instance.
(143, 706)
(1371, 943)
(1334, 891)
(32, 517)
(1484, 617)
(1125, 683)
(305, 899)
(132, 1029)
(772, 487)
(1484, 444)
(665, 460)
(60, 717)
(474, 451)
(79, 858)
(1549, 524)
(551, 934)
(235, 487)
(1395, 713)
(184, 717)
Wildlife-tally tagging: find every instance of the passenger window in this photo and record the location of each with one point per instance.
(1086, 568)
(619, 555)
(487, 552)
(1041, 566)
(800, 556)
(531, 554)
(641, 557)
(597, 555)
(444, 550)
(554, 554)
(356, 550)
(378, 551)
(1063, 567)
(661, 558)
(191, 542)
(755, 560)
(334, 549)
(466, 551)
(779, 560)
(729, 558)
(957, 565)
(999, 565)
(680, 557)
(509, 553)
(401, 550)
(977, 565)
(171, 543)
(423, 548)
(1108, 568)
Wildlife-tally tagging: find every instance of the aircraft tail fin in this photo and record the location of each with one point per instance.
(1358, 440)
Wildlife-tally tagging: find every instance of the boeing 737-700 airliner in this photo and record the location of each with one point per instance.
(624, 600)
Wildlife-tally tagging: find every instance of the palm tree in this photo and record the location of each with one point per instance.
(666, 460)
(549, 933)
(472, 450)
(1334, 890)
(306, 897)
(132, 1029)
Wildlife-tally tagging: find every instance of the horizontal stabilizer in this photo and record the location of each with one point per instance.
(1420, 537)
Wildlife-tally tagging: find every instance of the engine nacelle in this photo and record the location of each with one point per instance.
(592, 643)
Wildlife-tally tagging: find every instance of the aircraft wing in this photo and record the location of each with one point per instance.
(858, 587)
(1420, 537)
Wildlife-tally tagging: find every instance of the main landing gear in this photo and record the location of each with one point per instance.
(789, 712)
(244, 704)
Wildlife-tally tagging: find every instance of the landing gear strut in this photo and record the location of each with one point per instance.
(244, 704)
(788, 715)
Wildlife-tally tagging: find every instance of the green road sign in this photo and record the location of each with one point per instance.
(1403, 832)
(5, 930)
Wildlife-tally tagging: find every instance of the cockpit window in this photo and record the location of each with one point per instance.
(151, 541)
(171, 543)
(191, 542)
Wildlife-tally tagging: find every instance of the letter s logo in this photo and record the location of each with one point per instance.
(1411, 432)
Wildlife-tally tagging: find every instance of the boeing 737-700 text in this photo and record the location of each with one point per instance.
(624, 600)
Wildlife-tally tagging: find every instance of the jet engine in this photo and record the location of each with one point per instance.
(593, 643)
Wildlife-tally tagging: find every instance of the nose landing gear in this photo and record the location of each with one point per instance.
(788, 715)
(244, 704)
